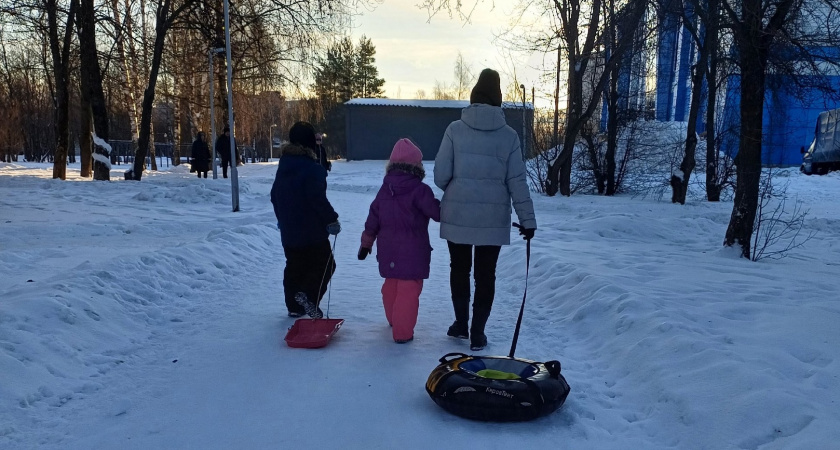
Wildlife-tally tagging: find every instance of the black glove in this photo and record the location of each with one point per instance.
(329, 165)
(527, 233)
(363, 252)
(334, 228)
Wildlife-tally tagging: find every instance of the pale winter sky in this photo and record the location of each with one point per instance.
(413, 52)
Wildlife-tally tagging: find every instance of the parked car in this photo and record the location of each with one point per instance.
(823, 155)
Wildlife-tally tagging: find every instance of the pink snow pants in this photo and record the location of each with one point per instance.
(401, 299)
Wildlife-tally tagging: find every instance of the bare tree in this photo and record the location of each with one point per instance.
(92, 92)
(441, 91)
(53, 22)
(582, 30)
(778, 229)
(127, 90)
(620, 109)
(12, 94)
(701, 18)
(759, 26)
(714, 178)
(60, 51)
(690, 11)
(463, 77)
(165, 16)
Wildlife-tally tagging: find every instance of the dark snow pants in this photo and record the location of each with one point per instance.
(307, 271)
(225, 165)
(461, 262)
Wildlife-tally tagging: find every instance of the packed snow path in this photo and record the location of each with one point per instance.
(154, 319)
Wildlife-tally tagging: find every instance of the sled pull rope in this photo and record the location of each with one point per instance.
(524, 294)
(329, 289)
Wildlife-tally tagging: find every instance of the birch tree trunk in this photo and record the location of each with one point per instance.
(128, 75)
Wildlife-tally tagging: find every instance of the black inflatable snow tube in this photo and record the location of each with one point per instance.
(457, 387)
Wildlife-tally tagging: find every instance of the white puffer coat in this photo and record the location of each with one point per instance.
(479, 167)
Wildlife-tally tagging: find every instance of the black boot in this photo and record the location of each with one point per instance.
(460, 328)
(311, 309)
(477, 338)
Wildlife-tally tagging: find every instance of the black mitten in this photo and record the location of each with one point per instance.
(363, 252)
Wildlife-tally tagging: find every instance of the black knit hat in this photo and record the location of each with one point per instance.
(303, 134)
(487, 89)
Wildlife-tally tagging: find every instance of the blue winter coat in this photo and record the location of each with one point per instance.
(299, 196)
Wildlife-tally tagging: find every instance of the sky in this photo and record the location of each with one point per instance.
(147, 315)
(412, 52)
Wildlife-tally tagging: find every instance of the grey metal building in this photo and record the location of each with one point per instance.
(373, 125)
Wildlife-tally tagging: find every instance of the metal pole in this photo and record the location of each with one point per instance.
(524, 124)
(210, 54)
(234, 179)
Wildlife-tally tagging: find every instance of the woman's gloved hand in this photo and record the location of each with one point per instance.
(527, 233)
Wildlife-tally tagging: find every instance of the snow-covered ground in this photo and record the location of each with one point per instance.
(147, 315)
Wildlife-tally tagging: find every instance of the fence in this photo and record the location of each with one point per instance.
(122, 152)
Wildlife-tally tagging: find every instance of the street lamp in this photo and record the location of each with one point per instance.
(210, 53)
(271, 141)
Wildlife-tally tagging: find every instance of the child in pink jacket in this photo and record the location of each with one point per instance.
(399, 220)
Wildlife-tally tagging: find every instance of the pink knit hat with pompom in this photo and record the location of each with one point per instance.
(407, 153)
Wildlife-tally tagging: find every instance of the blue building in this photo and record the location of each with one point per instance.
(789, 116)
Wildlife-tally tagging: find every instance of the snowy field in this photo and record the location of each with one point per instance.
(147, 315)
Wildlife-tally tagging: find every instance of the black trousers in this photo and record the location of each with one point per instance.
(225, 165)
(461, 261)
(308, 270)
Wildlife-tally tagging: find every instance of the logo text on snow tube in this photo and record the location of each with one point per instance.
(498, 392)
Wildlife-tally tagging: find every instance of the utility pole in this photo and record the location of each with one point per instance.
(234, 178)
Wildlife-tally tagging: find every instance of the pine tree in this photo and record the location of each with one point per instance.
(347, 72)
(326, 77)
(369, 85)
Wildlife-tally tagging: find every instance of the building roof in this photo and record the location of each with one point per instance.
(455, 104)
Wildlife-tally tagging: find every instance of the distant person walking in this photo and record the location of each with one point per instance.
(480, 169)
(398, 220)
(223, 150)
(200, 155)
(306, 220)
(322, 152)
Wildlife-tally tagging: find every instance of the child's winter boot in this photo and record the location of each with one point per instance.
(310, 308)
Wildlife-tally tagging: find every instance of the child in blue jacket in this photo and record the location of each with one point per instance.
(306, 220)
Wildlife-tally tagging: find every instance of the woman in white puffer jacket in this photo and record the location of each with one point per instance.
(479, 167)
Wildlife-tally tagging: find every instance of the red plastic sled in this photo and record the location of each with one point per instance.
(312, 333)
